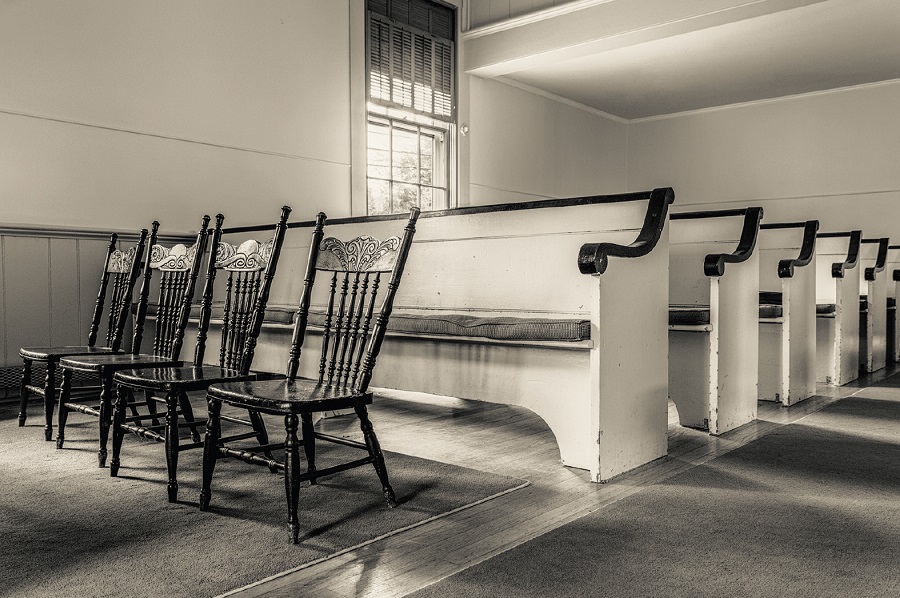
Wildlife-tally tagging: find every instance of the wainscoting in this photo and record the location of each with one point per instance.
(49, 278)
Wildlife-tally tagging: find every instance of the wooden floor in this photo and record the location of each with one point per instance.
(511, 441)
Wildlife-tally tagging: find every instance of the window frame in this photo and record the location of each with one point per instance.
(400, 115)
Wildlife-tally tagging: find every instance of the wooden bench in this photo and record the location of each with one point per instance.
(873, 304)
(787, 311)
(526, 304)
(837, 307)
(713, 321)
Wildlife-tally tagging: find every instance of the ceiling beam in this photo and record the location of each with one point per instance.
(586, 27)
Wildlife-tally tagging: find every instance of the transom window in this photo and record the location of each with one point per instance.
(411, 105)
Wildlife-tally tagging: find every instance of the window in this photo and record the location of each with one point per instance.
(411, 105)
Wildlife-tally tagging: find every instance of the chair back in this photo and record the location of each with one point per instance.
(178, 267)
(120, 272)
(249, 269)
(351, 339)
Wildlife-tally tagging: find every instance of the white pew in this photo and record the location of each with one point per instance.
(481, 281)
(893, 280)
(873, 304)
(713, 323)
(787, 312)
(837, 307)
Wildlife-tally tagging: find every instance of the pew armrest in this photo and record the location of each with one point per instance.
(593, 258)
(838, 268)
(880, 259)
(807, 247)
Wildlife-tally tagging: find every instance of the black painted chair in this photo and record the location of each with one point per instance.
(120, 272)
(350, 346)
(178, 268)
(249, 269)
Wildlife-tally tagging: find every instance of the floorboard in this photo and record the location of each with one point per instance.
(511, 441)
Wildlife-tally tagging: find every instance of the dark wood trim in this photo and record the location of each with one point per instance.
(714, 264)
(837, 268)
(504, 207)
(594, 257)
(880, 259)
(807, 247)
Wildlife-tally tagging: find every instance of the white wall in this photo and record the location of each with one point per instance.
(831, 156)
(116, 113)
(524, 146)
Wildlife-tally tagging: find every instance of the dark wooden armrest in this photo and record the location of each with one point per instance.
(880, 259)
(837, 268)
(807, 247)
(594, 257)
(714, 264)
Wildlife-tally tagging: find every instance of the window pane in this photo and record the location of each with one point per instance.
(405, 197)
(379, 197)
(427, 202)
(406, 159)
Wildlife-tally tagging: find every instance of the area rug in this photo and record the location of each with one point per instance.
(810, 509)
(68, 529)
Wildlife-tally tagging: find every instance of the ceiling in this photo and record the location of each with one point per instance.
(636, 59)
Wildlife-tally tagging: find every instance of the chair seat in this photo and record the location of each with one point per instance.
(186, 378)
(771, 297)
(116, 361)
(56, 353)
(289, 396)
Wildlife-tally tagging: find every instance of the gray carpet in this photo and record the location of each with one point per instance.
(811, 509)
(68, 529)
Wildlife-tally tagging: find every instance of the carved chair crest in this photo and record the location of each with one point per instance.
(249, 256)
(177, 259)
(120, 261)
(362, 254)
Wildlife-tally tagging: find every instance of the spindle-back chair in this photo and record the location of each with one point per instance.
(249, 269)
(178, 269)
(350, 346)
(120, 272)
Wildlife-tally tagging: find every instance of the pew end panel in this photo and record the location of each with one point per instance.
(603, 395)
(892, 268)
(837, 307)
(787, 319)
(713, 365)
(873, 305)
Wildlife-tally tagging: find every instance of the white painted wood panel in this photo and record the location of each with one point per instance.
(873, 331)
(26, 268)
(65, 323)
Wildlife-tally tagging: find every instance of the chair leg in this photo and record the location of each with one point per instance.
(262, 436)
(309, 445)
(188, 413)
(23, 392)
(49, 399)
(172, 443)
(151, 406)
(292, 475)
(65, 388)
(106, 393)
(377, 456)
(118, 432)
(210, 450)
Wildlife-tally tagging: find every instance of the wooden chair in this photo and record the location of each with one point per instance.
(178, 268)
(250, 268)
(120, 272)
(350, 345)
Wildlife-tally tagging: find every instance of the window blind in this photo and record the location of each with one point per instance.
(410, 56)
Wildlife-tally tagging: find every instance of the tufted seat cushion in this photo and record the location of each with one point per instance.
(825, 309)
(688, 315)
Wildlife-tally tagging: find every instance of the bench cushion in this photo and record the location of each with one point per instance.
(515, 328)
(771, 311)
(770, 298)
(688, 315)
(825, 309)
(490, 327)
